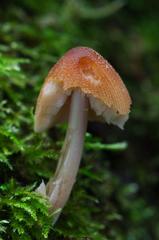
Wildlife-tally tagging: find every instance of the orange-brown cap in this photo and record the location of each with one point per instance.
(83, 68)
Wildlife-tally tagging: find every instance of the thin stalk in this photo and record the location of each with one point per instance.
(59, 187)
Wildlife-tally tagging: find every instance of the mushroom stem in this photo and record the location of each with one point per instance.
(59, 187)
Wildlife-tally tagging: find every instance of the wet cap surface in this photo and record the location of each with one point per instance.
(83, 68)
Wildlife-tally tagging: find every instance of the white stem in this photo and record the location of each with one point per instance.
(59, 187)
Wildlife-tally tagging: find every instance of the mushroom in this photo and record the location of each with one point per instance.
(81, 86)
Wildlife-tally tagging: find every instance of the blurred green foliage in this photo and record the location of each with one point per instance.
(116, 194)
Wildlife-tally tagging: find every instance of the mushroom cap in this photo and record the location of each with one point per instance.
(82, 68)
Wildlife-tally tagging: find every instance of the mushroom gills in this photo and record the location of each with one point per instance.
(51, 100)
(110, 115)
(57, 105)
